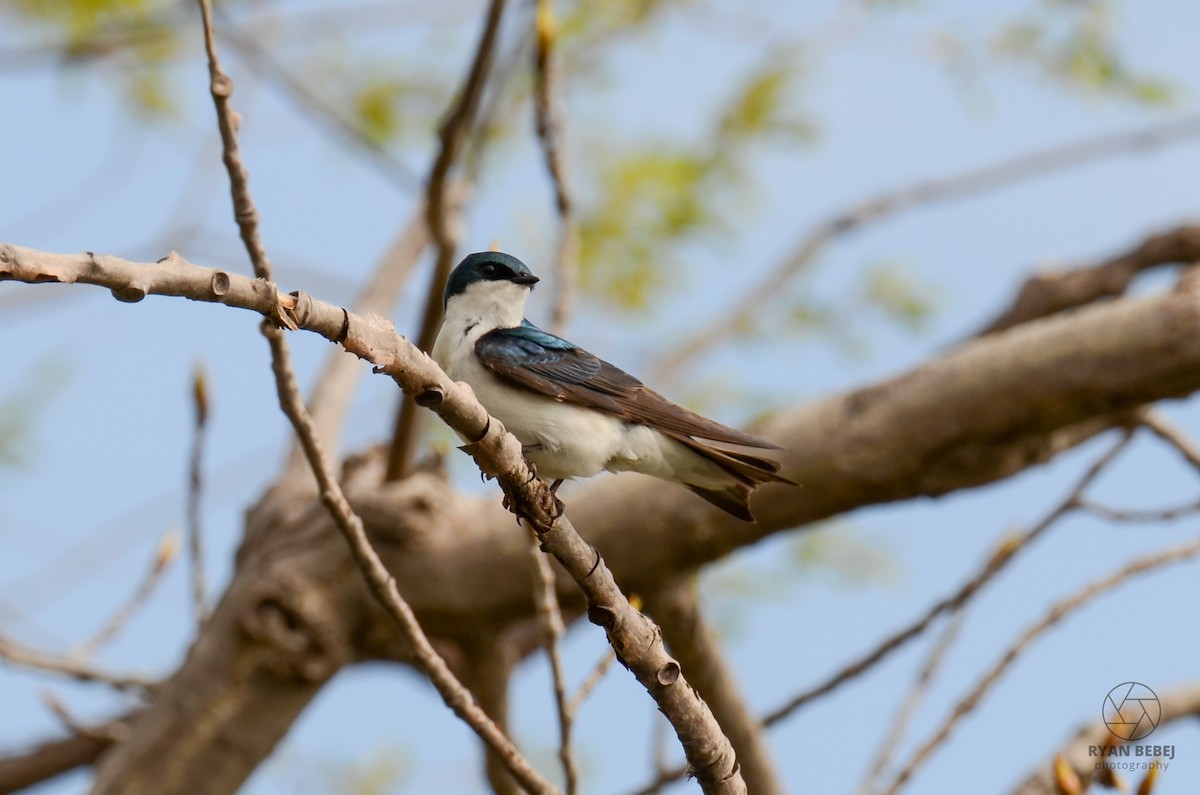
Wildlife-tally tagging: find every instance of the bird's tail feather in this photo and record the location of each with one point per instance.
(747, 469)
(734, 500)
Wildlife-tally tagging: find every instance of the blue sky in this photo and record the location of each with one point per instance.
(107, 449)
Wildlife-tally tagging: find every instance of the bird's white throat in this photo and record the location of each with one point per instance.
(484, 306)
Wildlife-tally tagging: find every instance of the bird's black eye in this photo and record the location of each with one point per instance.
(488, 270)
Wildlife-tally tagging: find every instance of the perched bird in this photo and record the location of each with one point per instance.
(576, 414)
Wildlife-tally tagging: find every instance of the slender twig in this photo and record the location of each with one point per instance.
(195, 493)
(453, 133)
(111, 732)
(908, 707)
(592, 681)
(36, 660)
(1163, 428)
(994, 565)
(1053, 616)
(551, 622)
(1125, 515)
(1032, 164)
(382, 584)
(550, 124)
(163, 557)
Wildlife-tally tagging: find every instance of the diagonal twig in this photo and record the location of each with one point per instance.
(452, 134)
(996, 563)
(908, 707)
(593, 679)
(195, 492)
(167, 549)
(1157, 423)
(841, 223)
(28, 658)
(551, 621)
(1053, 616)
(550, 123)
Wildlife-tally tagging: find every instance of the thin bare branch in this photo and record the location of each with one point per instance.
(593, 679)
(996, 563)
(551, 623)
(244, 212)
(908, 707)
(1053, 616)
(23, 657)
(112, 732)
(453, 134)
(1124, 515)
(550, 123)
(200, 401)
(1163, 428)
(1020, 168)
(1048, 293)
(163, 556)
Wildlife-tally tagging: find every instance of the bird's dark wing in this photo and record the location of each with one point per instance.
(528, 357)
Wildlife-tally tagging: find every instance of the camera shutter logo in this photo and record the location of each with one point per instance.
(1131, 711)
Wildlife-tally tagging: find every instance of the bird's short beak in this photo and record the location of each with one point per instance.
(525, 278)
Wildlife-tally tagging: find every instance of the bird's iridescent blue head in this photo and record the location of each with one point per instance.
(486, 266)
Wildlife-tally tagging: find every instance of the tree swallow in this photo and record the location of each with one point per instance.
(576, 414)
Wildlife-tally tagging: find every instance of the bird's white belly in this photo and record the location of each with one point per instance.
(568, 441)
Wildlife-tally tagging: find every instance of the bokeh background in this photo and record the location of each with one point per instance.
(704, 139)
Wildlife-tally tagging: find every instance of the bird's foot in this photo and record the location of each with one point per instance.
(526, 449)
(555, 508)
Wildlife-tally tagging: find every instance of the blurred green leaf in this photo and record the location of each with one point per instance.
(761, 107)
(1073, 42)
(379, 773)
(375, 109)
(19, 412)
(649, 198)
(896, 291)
